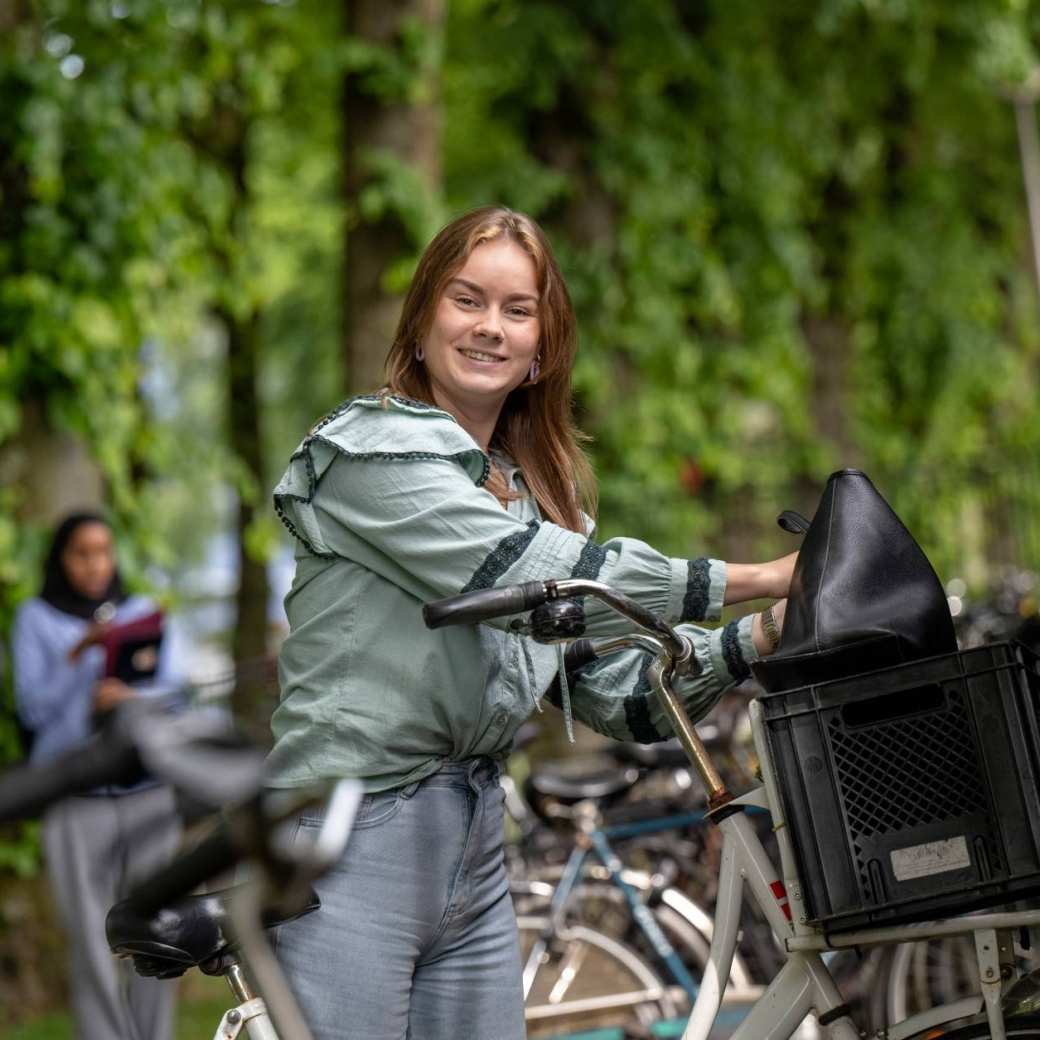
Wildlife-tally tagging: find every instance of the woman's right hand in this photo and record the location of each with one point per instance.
(94, 634)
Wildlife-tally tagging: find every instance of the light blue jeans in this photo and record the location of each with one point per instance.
(416, 936)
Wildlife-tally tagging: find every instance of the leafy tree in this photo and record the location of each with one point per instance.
(391, 168)
(795, 241)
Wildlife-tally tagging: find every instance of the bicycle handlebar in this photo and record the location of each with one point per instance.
(111, 757)
(196, 752)
(256, 831)
(485, 604)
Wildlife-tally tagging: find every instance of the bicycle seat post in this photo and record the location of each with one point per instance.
(236, 980)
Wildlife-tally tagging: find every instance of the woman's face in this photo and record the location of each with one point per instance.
(89, 560)
(486, 329)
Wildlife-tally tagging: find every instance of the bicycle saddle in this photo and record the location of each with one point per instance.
(562, 782)
(863, 595)
(191, 933)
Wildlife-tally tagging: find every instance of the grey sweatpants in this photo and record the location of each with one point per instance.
(96, 848)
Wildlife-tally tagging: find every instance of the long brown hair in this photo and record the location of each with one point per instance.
(536, 427)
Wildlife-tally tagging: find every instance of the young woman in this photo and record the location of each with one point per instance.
(463, 473)
(97, 845)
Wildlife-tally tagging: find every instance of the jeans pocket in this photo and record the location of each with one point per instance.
(378, 808)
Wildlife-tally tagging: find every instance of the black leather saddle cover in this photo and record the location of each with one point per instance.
(863, 595)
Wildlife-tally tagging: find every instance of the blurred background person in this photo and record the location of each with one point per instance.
(80, 648)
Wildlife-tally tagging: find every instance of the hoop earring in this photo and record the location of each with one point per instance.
(419, 352)
(532, 375)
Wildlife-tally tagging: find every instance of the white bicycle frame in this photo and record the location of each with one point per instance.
(804, 985)
(251, 1017)
(246, 911)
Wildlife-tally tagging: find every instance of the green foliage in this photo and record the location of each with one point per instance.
(794, 234)
(717, 179)
(121, 230)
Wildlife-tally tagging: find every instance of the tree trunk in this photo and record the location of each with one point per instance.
(224, 140)
(252, 697)
(407, 131)
(53, 469)
(56, 474)
(12, 14)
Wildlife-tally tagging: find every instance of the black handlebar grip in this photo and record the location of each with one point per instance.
(485, 604)
(579, 653)
(212, 856)
(27, 790)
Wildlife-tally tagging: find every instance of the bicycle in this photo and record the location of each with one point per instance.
(804, 984)
(160, 926)
(620, 855)
(606, 943)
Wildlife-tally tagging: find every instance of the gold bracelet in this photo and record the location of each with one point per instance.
(769, 628)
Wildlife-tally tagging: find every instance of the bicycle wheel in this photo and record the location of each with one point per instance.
(599, 904)
(1026, 1028)
(588, 980)
(920, 975)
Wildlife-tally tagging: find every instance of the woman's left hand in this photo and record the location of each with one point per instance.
(110, 692)
(763, 643)
(779, 576)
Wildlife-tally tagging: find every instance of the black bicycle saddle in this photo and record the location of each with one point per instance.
(186, 935)
(863, 595)
(571, 782)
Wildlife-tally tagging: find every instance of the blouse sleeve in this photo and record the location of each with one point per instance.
(424, 525)
(613, 696)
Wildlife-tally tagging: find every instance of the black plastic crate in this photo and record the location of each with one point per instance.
(911, 792)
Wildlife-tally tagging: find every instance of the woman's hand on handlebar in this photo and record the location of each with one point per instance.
(772, 580)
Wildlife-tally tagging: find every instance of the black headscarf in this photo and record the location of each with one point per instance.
(57, 590)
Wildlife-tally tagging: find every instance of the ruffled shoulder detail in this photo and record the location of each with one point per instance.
(370, 426)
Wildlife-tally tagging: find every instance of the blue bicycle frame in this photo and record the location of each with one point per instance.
(599, 841)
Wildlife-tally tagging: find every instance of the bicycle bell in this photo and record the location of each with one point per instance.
(557, 621)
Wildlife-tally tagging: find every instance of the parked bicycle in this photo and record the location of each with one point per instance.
(164, 928)
(608, 937)
(1006, 1006)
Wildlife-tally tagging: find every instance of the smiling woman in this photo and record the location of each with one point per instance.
(463, 472)
(484, 339)
(489, 285)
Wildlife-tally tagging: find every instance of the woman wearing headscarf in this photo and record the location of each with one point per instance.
(95, 845)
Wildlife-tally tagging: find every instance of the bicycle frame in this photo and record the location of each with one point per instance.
(250, 1014)
(804, 984)
(598, 840)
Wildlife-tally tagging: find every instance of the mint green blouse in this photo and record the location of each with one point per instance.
(386, 501)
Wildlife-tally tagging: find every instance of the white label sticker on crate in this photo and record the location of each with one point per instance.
(934, 857)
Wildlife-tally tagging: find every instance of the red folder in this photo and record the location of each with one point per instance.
(132, 648)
